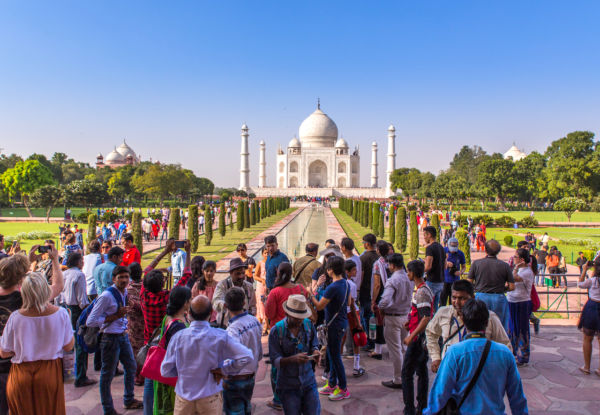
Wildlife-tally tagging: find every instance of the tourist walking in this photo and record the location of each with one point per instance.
(103, 273)
(589, 322)
(447, 324)
(519, 303)
(238, 386)
(416, 357)
(455, 266)
(293, 347)
(275, 258)
(35, 338)
(492, 278)
(109, 315)
(261, 290)
(198, 388)
(283, 288)
(490, 364)
(552, 264)
(237, 278)
(435, 264)
(305, 266)
(90, 262)
(132, 254)
(74, 297)
(540, 256)
(395, 305)
(367, 259)
(335, 301)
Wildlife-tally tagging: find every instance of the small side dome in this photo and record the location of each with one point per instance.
(294, 143)
(115, 156)
(99, 156)
(391, 128)
(341, 143)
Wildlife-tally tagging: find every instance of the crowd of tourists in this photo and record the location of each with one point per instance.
(196, 347)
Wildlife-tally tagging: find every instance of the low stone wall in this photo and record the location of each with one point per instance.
(369, 192)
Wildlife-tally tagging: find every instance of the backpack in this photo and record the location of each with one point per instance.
(87, 337)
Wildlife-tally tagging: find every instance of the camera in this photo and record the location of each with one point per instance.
(179, 244)
(43, 249)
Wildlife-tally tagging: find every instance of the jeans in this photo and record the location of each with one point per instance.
(148, 396)
(81, 357)
(115, 348)
(539, 278)
(274, 384)
(499, 305)
(301, 401)
(237, 395)
(337, 373)
(415, 361)
(436, 288)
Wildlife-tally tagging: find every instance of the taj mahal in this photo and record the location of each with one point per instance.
(317, 163)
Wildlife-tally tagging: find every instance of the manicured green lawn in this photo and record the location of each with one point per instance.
(546, 216)
(9, 229)
(57, 212)
(222, 246)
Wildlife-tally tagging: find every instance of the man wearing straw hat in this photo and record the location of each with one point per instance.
(293, 347)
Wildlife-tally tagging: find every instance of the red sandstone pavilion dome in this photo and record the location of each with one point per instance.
(120, 156)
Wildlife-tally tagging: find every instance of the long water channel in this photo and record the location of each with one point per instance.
(310, 225)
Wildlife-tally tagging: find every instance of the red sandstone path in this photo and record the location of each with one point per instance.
(552, 383)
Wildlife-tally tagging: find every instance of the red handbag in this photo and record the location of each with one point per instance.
(535, 299)
(156, 355)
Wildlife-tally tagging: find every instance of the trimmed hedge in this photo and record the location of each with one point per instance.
(392, 225)
(464, 245)
(194, 235)
(136, 231)
(222, 228)
(91, 220)
(208, 226)
(174, 222)
(401, 235)
(414, 236)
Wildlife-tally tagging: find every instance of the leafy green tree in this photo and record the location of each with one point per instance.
(573, 166)
(414, 236)
(449, 186)
(119, 184)
(569, 205)
(85, 193)
(193, 226)
(174, 223)
(47, 197)
(466, 163)
(222, 228)
(136, 231)
(24, 179)
(401, 236)
(496, 178)
(208, 227)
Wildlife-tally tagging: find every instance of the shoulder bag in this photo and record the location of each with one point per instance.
(451, 408)
(156, 355)
(322, 329)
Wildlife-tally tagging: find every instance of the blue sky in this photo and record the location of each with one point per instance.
(179, 78)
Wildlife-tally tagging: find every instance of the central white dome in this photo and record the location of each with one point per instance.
(318, 130)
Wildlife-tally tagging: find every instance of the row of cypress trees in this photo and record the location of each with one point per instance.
(371, 215)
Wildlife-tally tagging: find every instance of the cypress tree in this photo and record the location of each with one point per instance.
(381, 223)
(193, 226)
(463, 244)
(246, 215)
(208, 226)
(136, 231)
(365, 217)
(392, 225)
(174, 222)
(252, 214)
(222, 228)
(370, 216)
(401, 228)
(435, 222)
(240, 216)
(414, 235)
(91, 228)
(230, 218)
(375, 223)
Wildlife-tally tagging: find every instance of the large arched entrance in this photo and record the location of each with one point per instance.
(317, 174)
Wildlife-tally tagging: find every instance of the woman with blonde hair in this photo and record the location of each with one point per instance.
(35, 338)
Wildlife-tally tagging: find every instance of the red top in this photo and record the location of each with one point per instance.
(278, 296)
(130, 256)
(154, 306)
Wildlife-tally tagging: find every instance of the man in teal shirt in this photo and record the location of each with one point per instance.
(498, 377)
(275, 258)
(103, 273)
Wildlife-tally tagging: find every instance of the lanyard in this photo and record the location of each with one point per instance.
(460, 335)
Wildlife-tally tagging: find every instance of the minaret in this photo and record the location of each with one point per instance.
(262, 166)
(244, 165)
(391, 159)
(374, 165)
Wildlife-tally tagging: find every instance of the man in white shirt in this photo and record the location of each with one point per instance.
(347, 246)
(90, 262)
(246, 329)
(199, 357)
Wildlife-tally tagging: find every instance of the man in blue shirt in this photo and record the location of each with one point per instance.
(109, 314)
(455, 266)
(275, 258)
(499, 375)
(103, 274)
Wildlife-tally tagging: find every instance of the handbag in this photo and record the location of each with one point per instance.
(451, 408)
(535, 299)
(140, 357)
(322, 329)
(156, 355)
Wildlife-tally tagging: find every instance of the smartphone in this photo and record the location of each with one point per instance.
(179, 244)
(43, 249)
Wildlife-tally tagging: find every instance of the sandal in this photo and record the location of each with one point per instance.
(597, 372)
(585, 371)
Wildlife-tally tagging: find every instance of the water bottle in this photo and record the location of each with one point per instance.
(372, 328)
(69, 366)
